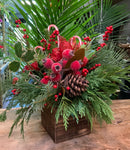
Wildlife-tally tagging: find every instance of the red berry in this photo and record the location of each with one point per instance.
(87, 38)
(17, 26)
(98, 48)
(16, 21)
(56, 100)
(43, 40)
(68, 88)
(45, 104)
(47, 77)
(54, 86)
(103, 44)
(24, 29)
(49, 45)
(19, 22)
(56, 42)
(27, 36)
(85, 43)
(60, 94)
(43, 49)
(84, 74)
(50, 36)
(44, 73)
(56, 96)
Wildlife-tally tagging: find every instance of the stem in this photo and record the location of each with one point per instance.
(34, 77)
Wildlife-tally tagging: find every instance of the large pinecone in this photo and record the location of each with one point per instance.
(77, 84)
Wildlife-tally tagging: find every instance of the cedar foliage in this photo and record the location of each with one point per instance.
(94, 102)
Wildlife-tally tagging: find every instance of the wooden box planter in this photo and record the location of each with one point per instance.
(58, 132)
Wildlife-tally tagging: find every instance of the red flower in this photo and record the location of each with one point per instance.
(15, 79)
(1, 46)
(44, 80)
(64, 62)
(67, 54)
(56, 77)
(56, 67)
(85, 61)
(56, 55)
(26, 68)
(75, 66)
(47, 63)
(35, 66)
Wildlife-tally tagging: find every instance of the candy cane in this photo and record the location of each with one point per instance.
(80, 41)
(52, 25)
(40, 47)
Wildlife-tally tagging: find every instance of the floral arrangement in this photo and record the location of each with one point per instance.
(73, 77)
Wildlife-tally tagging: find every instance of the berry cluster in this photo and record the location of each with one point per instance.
(53, 36)
(25, 36)
(87, 39)
(105, 37)
(84, 72)
(109, 31)
(15, 92)
(18, 22)
(94, 67)
(57, 96)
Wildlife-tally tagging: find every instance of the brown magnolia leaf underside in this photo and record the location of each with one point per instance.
(78, 55)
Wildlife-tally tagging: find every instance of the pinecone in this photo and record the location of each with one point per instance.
(76, 83)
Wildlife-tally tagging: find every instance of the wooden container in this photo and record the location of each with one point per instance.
(58, 132)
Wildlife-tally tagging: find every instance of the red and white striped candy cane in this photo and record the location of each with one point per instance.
(80, 41)
(52, 25)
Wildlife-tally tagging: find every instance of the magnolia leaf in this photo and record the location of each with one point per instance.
(18, 49)
(28, 56)
(14, 66)
(78, 55)
(63, 90)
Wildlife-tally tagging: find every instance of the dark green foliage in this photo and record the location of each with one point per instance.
(3, 116)
(14, 66)
(28, 56)
(103, 82)
(18, 49)
(93, 103)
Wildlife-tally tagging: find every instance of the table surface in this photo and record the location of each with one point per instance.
(115, 136)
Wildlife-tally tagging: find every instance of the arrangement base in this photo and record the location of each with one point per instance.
(58, 132)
